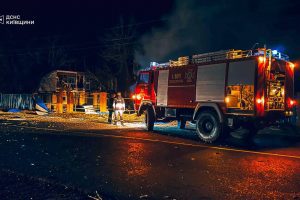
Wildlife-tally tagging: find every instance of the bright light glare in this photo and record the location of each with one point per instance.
(259, 101)
(261, 59)
(292, 102)
(227, 100)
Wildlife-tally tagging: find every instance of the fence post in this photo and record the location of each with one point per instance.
(70, 102)
(75, 101)
(95, 99)
(81, 98)
(54, 101)
(103, 102)
(59, 105)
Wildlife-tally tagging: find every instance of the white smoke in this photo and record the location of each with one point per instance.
(202, 26)
(184, 32)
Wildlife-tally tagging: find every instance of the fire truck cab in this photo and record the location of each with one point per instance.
(219, 91)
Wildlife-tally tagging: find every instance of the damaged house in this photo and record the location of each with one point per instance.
(68, 91)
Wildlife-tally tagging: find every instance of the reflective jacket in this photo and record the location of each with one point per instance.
(119, 103)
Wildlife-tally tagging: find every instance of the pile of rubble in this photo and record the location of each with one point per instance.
(70, 121)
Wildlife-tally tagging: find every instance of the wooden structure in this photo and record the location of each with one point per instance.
(65, 91)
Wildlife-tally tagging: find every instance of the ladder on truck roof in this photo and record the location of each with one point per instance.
(213, 56)
(236, 54)
(220, 55)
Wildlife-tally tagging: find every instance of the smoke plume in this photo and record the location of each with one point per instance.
(196, 26)
(184, 33)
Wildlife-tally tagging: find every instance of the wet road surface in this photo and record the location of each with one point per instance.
(39, 162)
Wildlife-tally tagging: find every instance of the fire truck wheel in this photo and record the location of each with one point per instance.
(149, 119)
(208, 126)
(181, 123)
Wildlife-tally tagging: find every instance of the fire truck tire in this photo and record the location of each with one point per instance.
(209, 127)
(149, 119)
(181, 123)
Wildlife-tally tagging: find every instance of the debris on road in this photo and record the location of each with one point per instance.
(70, 121)
(144, 196)
(14, 110)
(97, 196)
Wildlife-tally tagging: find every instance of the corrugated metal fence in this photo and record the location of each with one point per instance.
(20, 101)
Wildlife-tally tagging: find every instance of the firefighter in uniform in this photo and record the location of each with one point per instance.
(110, 103)
(119, 108)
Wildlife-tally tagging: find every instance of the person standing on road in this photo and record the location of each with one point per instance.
(119, 108)
(110, 103)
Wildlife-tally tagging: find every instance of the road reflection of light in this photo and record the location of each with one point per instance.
(137, 165)
(270, 173)
(134, 125)
(273, 166)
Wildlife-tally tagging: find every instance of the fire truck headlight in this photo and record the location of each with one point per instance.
(260, 101)
(289, 113)
(292, 102)
(133, 96)
(138, 97)
(292, 65)
(227, 100)
(261, 59)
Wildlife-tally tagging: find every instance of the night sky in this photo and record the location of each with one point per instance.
(159, 31)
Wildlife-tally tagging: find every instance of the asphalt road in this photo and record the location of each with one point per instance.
(38, 162)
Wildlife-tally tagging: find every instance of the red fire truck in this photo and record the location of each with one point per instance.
(219, 91)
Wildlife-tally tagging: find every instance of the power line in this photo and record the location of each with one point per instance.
(60, 36)
(139, 24)
(84, 48)
(76, 49)
(97, 45)
(86, 43)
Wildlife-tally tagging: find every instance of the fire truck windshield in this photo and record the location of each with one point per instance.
(143, 78)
